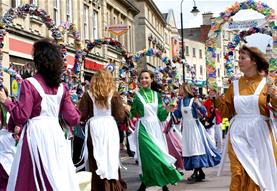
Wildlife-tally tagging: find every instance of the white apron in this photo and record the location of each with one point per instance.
(46, 141)
(192, 144)
(249, 136)
(7, 149)
(153, 127)
(105, 140)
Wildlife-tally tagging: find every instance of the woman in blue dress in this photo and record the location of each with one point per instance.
(197, 149)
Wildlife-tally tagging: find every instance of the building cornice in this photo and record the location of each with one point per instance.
(131, 6)
(156, 9)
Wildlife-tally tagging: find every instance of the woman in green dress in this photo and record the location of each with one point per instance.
(157, 166)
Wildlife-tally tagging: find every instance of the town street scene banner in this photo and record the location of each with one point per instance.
(240, 25)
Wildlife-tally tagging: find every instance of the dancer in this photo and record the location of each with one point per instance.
(102, 136)
(251, 149)
(151, 143)
(42, 160)
(197, 149)
(7, 149)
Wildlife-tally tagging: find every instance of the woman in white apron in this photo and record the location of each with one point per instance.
(102, 149)
(252, 149)
(197, 149)
(7, 153)
(156, 164)
(42, 160)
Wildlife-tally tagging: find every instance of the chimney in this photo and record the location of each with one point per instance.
(207, 18)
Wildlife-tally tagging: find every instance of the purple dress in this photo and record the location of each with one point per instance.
(29, 107)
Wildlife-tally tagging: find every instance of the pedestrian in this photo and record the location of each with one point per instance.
(42, 160)
(225, 126)
(197, 149)
(156, 164)
(7, 148)
(104, 107)
(251, 149)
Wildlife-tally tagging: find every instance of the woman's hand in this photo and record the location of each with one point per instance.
(3, 96)
(272, 88)
(169, 107)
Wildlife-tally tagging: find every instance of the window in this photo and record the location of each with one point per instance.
(34, 2)
(218, 72)
(86, 27)
(57, 12)
(200, 53)
(165, 37)
(187, 50)
(217, 56)
(201, 70)
(194, 66)
(69, 11)
(95, 24)
(16, 3)
(193, 52)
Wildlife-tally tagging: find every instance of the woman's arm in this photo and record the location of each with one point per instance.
(21, 110)
(225, 104)
(162, 113)
(68, 111)
(118, 110)
(85, 107)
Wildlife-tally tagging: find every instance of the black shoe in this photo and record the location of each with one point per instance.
(193, 178)
(142, 187)
(130, 153)
(200, 176)
(165, 188)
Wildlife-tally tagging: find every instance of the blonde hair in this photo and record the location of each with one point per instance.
(102, 86)
(187, 89)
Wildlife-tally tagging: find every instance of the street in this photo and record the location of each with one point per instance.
(211, 183)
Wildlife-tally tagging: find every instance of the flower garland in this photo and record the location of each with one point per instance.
(12, 13)
(127, 71)
(229, 55)
(216, 29)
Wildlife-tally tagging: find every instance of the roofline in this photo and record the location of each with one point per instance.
(153, 5)
(133, 8)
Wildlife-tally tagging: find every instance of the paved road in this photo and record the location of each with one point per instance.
(211, 183)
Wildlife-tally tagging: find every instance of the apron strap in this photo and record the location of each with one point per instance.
(37, 86)
(260, 87)
(191, 102)
(141, 98)
(236, 87)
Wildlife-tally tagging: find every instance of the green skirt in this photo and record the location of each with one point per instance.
(156, 171)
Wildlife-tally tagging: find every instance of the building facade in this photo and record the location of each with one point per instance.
(92, 18)
(150, 31)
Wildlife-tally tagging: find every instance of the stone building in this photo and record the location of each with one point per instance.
(92, 18)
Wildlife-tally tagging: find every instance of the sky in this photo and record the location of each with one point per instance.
(215, 6)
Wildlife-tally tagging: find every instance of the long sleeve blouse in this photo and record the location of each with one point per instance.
(29, 103)
(147, 94)
(195, 108)
(247, 86)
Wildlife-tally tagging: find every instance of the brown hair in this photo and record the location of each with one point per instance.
(146, 71)
(102, 86)
(257, 56)
(187, 89)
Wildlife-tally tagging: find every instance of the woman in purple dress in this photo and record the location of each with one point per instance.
(43, 161)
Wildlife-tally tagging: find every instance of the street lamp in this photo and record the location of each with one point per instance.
(194, 11)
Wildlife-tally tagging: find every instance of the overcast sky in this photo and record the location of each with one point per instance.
(214, 6)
